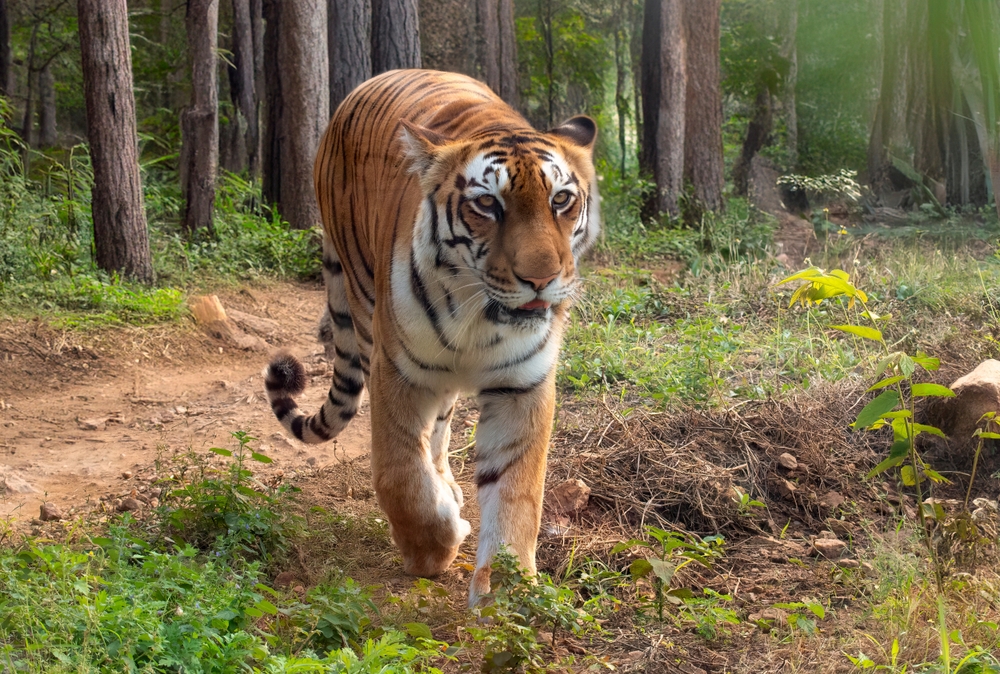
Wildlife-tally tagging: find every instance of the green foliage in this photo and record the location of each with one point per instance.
(709, 614)
(332, 616)
(518, 608)
(229, 510)
(803, 615)
(670, 552)
(843, 184)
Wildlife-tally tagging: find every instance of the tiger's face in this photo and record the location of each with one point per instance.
(514, 209)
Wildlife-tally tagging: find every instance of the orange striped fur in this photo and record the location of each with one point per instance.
(452, 231)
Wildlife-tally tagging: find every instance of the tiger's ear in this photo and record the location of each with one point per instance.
(580, 130)
(421, 145)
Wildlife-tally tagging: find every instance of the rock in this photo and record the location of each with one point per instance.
(831, 548)
(50, 512)
(568, 498)
(976, 393)
(827, 535)
(286, 579)
(126, 474)
(831, 500)
(129, 505)
(787, 488)
(788, 461)
(94, 424)
(12, 482)
(775, 616)
(848, 563)
(839, 527)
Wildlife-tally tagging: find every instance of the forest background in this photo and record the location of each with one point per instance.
(153, 152)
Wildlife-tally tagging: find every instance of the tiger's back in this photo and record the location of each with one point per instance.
(451, 235)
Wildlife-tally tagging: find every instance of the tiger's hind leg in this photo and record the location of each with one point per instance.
(285, 377)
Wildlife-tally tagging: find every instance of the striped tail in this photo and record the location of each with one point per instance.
(285, 378)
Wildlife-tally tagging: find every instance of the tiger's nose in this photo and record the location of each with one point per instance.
(539, 283)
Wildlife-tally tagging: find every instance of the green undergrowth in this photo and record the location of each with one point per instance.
(47, 263)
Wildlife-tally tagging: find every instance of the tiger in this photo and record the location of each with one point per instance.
(452, 233)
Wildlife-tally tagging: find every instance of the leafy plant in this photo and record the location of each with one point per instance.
(671, 552)
(709, 614)
(331, 616)
(231, 505)
(803, 615)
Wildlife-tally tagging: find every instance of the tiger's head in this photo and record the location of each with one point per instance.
(515, 208)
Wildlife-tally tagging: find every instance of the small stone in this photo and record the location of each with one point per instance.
(831, 500)
(787, 488)
(831, 548)
(829, 535)
(568, 498)
(126, 474)
(94, 424)
(840, 527)
(50, 512)
(154, 502)
(180, 410)
(311, 461)
(17, 484)
(788, 461)
(849, 564)
(129, 505)
(299, 590)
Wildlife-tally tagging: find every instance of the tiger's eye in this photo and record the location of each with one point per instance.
(486, 201)
(561, 198)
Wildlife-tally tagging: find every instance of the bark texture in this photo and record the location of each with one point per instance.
(200, 120)
(488, 27)
(349, 46)
(298, 93)
(395, 35)
(509, 90)
(449, 37)
(889, 125)
(703, 164)
(121, 240)
(5, 51)
(664, 84)
(242, 87)
(47, 107)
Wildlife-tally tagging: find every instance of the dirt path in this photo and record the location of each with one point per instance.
(80, 411)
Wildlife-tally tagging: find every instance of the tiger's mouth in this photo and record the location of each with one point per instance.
(534, 304)
(530, 312)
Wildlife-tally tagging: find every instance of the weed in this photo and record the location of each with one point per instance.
(803, 615)
(708, 614)
(331, 616)
(230, 506)
(672, 551)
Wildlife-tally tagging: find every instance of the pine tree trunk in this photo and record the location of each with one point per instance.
(6, 58)
(200, 120)
(305, 90)
(47, 107)
(395, 35)
(273, 107)
(664, 85)
(241, 81)
(790, 51)
(259, 93)
(449, 38)
(488, 29)
(508, 90)
(889, 125)
(349, 45)
(703, 164)
(621, 75)
(121, 240)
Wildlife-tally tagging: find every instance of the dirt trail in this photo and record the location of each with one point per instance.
(80, 411)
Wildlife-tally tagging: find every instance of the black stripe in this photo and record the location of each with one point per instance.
(319, 429)
(526, 357)
(459, 241)
(346, 385)
(353, 360)
(420, 292)
(419, 363)
(341, 319)
(297, 427)
(337, 402)
(332, 266)
(488, 476)
(282, 407)
(512, 390)
(347, 415)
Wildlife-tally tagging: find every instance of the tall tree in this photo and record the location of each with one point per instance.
(46, 107)
(200, 120)
(349, 45)
(664, 87)
(508, 90)
(242, 86)
(121, 240)
(298, 94)
(703, 164)
(395, 35)
(6, 60)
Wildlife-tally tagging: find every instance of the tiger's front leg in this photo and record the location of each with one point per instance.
(512, 441)
(418, 497)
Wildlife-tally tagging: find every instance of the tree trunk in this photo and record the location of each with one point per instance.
(889, 124)
(621, 74)
(395, 35)
(259, 93)
(349, 38)
(488, 29)
(703, 164)
(548, 38)
(508, 90)
(790, 51)
(6, 59)
(664, 85)
(241, 81)
(635, 55)
(47, 107)
(298, 105)
(273, 107)
(758, 132)
(449, 38)
(121, 240)
(200, 121)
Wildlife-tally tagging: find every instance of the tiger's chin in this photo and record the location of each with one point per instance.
(529, 315)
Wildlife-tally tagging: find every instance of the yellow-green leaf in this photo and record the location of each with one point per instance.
(924, 428)
(860, 331)
(873, 411)
(804, 274)
(931, 390)
(906, 472)
(888, 381)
